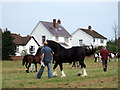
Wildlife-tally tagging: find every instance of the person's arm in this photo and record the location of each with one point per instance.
(42, 56)
(52, 51)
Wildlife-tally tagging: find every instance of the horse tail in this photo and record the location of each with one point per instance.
(90, 51)
(24, 59)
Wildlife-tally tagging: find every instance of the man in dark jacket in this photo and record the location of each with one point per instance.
(104, 56)
(46, 60)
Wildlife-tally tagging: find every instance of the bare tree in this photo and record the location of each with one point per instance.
(115, 28)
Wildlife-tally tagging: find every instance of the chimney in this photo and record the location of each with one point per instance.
(59, 21)
(54, 23)
(89, 27)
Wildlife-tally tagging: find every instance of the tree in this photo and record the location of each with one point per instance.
(8, 47)
(112, 46)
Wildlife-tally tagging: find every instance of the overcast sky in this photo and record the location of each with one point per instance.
(22, 17)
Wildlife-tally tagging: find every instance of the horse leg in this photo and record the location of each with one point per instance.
(61, 68)
(54, 72)
(80, 70)
(78, 64)
(73, 64)
(28, 67)
(36, 67)
(83, 66)
(32, 67)
(84, 69)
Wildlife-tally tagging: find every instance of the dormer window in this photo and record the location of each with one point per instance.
(59, 28)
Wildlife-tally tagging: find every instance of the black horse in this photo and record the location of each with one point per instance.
(62, 55)
(28, 59)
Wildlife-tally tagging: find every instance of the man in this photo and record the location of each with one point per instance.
(104, 56)
(46, 58)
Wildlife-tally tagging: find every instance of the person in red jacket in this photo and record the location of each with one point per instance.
(104, 56)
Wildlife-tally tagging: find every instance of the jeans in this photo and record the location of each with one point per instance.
(42, 69)
(104, 63)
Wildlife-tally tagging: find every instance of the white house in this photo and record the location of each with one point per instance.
(51, 31)
(24, 45)
(87, 37)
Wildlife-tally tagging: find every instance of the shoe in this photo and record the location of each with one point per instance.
(37, 78)
(105, 69)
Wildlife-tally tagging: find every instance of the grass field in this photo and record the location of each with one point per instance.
(14, 76)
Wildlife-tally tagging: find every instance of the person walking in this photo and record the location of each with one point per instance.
(104, 56)
(46, 58)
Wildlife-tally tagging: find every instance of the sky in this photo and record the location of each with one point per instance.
(22, 17)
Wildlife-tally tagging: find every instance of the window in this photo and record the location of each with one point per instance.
(80, 42)
(17, 49)
(66, 39)
(57, 38)
(93, 40)
(32, 49)
(43, 39)
(101, 41)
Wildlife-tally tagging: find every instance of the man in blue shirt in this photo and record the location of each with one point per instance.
(46, 58)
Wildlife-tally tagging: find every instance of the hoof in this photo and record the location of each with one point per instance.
(79, 74)
(63, 76)
(84, 75)
(27, 71)
(54, 75)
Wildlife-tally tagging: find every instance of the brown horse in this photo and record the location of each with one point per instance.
(28, 59)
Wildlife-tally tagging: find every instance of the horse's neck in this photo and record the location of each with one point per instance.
(57, 49)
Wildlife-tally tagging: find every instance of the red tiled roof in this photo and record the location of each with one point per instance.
(93, 33)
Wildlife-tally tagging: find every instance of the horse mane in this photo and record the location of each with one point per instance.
(38, 51)
(54, 44)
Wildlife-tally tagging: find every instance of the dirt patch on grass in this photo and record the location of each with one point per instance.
(94, 83)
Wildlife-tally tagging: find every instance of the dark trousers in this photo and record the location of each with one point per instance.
(95, 59)
(104, 64)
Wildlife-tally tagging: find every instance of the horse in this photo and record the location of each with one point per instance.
(62, 55)
(28, 59)
(111, 56)
(118, 56)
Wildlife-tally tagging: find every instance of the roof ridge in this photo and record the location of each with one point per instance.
(93, 33)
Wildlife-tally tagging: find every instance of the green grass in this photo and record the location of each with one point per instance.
(14, 76)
